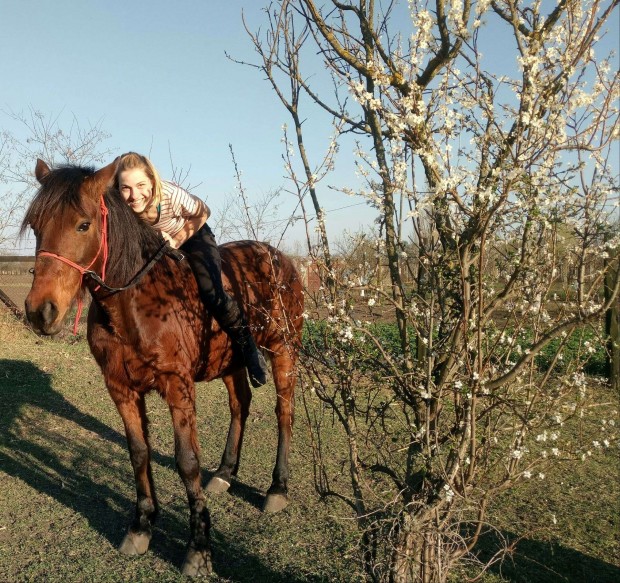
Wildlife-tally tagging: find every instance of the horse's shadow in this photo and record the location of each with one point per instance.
(55, 461)
(43, 453)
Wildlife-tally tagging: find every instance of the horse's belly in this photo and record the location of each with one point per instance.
(152, 364)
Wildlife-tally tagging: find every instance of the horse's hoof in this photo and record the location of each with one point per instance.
(197, 564)
(135, 543)
(217, 485)
(275, 503)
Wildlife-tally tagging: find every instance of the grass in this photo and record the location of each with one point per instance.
(568, 526)
(67, 493)
(574, 349)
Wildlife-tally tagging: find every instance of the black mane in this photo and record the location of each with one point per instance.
(59, 189)
(130, 241)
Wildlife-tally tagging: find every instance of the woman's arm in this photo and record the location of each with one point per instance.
(192, 225)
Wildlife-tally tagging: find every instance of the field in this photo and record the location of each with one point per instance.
(16, 287)
(67, 494)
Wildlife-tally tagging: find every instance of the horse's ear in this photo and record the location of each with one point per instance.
(41, 170)
(104, 177)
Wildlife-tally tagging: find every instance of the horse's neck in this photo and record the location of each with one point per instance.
(124, 265)
(157, 315)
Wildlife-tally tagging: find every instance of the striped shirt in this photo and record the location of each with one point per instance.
(176, 207)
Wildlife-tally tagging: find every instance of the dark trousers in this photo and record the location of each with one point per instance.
(204, 257)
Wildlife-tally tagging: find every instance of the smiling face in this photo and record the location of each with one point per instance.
(136, 189)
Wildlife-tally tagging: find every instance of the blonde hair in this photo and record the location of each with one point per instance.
(133, 160)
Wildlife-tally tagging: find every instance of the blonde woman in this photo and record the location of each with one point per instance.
(181, 218)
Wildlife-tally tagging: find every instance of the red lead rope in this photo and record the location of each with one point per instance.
(103, 250)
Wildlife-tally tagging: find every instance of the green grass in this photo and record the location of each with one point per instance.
(568, 525)
(595, 362)
(67, 493)
(574, 349)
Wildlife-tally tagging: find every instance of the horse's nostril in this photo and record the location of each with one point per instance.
(43, 316)
(49, 312)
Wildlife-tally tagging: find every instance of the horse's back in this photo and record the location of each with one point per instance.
(268, 285)
(169, 314)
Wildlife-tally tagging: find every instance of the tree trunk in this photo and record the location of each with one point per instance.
(415, 557)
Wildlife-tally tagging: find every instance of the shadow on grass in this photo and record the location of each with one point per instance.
(37, 454)
(238, 489)
(57, 460)
(539, 561)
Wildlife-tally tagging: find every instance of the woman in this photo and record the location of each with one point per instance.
(181, 218)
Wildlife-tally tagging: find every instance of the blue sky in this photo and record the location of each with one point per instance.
(154, 73)
(156, 77)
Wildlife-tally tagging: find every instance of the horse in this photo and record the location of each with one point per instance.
(148, 330)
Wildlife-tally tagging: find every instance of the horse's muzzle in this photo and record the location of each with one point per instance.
(44, 318)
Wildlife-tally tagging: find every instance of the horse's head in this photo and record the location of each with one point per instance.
(66, 218)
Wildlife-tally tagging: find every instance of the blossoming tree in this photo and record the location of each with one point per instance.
(496, 199)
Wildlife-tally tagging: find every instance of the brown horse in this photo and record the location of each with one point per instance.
(151, 332)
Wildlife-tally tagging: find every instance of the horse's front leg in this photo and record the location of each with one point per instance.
(181, 400)
(132, 409)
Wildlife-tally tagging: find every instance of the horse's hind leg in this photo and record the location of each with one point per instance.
(239, 397)
(132, 409)
(284, 376)
(181, 400)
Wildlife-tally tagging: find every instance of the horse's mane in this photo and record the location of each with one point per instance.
(130, 241)
(59, 188)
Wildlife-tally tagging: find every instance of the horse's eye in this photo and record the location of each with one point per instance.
(83, 227)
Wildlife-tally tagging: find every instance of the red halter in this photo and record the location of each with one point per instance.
(103, 249)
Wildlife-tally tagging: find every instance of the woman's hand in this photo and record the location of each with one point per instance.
(169, 239)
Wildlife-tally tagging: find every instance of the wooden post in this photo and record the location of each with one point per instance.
(10, 304)
(612, 322)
